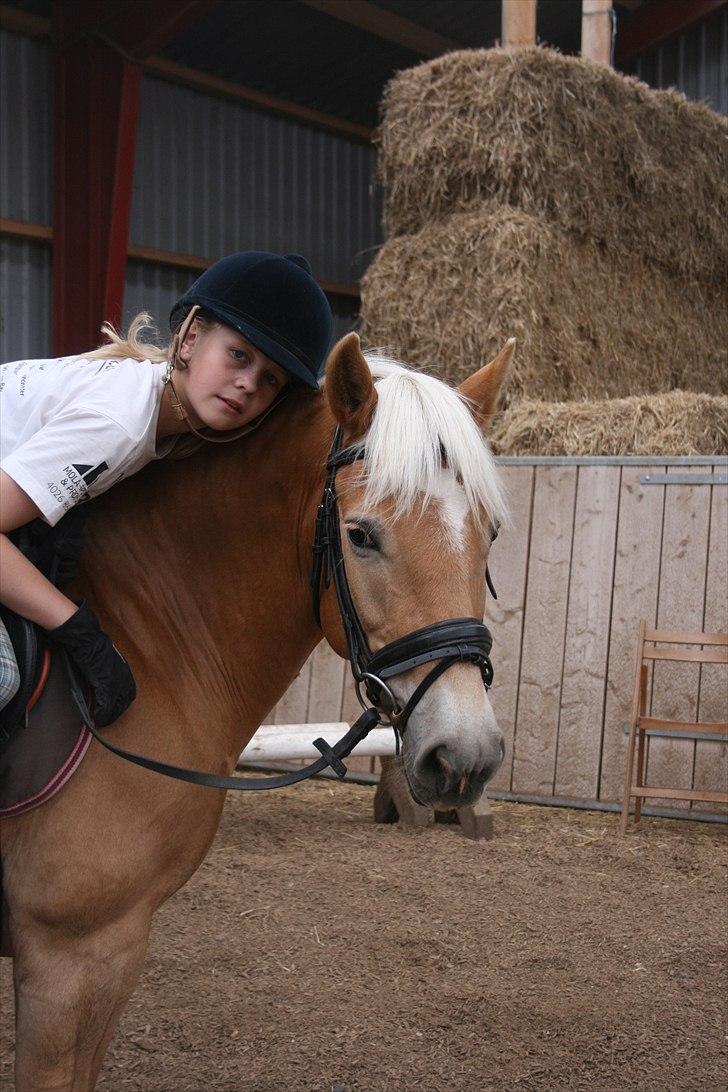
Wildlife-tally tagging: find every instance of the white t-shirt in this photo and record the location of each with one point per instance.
(71, 428)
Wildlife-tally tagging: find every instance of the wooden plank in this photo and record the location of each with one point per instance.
(596, 31)
(681, 605)
(544, 630)
(587, 632)
(688, 655)
(291, 708)
(636, 573)
(683, 726)
(680, 794)
(21, 229)
(677, 638)
(508, 565)
(711, 759)
(518, 23)
(327, 684)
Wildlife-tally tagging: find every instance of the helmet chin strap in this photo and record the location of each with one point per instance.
(175, 361)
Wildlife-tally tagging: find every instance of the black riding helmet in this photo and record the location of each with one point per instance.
(273, 301)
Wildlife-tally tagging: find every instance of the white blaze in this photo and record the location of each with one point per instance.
(453, 503)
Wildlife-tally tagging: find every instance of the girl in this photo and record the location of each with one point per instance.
(249, 330)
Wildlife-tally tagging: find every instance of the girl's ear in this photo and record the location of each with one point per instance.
(187, 335)
(350, 390)
(484, 387)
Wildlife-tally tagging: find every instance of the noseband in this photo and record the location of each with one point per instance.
(449, 642)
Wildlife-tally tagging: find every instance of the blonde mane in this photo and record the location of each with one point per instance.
(420, 421)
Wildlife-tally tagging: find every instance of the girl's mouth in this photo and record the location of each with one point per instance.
(233, 408)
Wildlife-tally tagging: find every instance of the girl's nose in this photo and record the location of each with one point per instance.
(248, 379)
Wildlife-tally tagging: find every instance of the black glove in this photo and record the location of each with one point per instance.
(100, 663)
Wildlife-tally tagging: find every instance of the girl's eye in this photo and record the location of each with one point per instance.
(362, 540)
(241, 355)
(271, 379)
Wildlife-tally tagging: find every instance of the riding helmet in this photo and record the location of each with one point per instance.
(273, 301)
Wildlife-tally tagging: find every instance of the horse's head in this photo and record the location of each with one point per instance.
(417, 516)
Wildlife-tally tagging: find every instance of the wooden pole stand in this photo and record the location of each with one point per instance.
(393, 803)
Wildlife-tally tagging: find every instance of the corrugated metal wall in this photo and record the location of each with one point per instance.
(696, 63)
(214, 176)
(26, 193)
(211, 176)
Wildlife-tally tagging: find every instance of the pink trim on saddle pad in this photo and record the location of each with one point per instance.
(59, 779)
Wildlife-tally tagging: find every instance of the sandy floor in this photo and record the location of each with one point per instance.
(315, 950)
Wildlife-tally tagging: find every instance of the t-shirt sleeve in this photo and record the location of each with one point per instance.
(73, 457)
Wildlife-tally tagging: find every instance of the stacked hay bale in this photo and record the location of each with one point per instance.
(544, 197)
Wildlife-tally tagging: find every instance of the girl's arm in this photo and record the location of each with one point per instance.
(74, 628)
(22, 587)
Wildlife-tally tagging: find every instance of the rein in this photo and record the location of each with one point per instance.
(451, 641)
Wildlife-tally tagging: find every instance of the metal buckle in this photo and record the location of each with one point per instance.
(391, 714)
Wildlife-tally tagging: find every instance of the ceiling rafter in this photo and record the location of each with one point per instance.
(386, 25)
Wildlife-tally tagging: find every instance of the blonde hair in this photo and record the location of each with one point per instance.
(134, 346)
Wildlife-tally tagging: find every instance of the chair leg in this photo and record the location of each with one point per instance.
(628, 781)
(640, 780)
(642, 745)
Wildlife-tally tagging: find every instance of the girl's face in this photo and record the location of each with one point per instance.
(227, 382)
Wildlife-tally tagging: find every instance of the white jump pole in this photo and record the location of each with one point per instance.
(273, 742)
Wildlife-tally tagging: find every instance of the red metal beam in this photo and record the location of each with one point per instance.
(98, 49)
(657, 21)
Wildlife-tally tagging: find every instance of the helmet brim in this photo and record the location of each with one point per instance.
(257, 337)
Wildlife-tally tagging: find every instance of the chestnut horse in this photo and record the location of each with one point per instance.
(200, 570)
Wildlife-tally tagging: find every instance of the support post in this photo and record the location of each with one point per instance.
(597, 31)
(518, 23)
(96, 112)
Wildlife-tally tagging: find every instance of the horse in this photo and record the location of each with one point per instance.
(200, 571)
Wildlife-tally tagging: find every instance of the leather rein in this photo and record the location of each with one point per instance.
(452, 641)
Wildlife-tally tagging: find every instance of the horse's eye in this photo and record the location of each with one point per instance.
(494, 532)
(362, 540)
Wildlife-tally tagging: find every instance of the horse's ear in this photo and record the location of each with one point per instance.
(483, 389)
(349, 387)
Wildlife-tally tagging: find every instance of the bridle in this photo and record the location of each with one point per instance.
(455, 640)
(449, 642)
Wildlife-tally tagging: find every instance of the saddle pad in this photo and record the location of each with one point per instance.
(42, 755)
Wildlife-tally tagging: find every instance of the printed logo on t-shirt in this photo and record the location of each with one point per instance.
(73, 487)
(90, 473)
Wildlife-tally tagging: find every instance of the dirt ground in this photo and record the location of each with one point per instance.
(315, 950)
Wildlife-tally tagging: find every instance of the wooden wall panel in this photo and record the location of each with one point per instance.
(680, 606)
(292, 707)
(636, 578)
(508, 565)
(544, 630)
(327, 685)
(587, 633)
(711, 758)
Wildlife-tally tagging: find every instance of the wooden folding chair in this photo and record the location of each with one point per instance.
(648, 648)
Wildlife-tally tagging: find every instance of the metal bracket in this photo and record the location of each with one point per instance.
(684, 479)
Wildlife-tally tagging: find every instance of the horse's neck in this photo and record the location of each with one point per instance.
(200, 571)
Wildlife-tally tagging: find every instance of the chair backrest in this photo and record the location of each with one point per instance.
(715, 653)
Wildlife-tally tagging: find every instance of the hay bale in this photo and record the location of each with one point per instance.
(636, 171)
(586, 324)
(677, 423)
